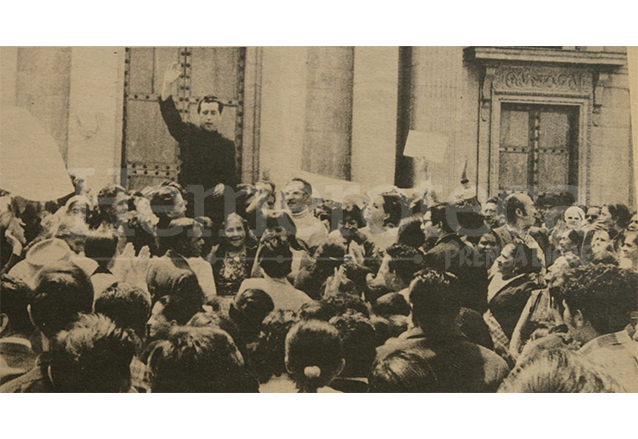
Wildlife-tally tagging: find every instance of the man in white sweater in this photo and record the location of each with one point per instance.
(298, 197)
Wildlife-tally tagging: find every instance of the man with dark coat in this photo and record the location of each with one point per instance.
(207, 157)
(450, 253)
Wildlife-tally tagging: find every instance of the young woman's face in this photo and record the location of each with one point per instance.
(605, 216)
(565, 244)
(629, 249)
(373, 213)
(633, 224)
(600, 241)
(505, 262)
(488, 248)
(235, 232)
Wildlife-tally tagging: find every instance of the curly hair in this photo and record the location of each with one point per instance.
(604, 294)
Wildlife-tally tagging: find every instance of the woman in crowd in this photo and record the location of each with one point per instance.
(314, 356)
(382, 214)
(629, 251)
(233, 258)
(516, 277)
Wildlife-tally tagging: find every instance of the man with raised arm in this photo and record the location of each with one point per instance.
(207, 157)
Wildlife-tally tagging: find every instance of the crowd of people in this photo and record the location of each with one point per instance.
(277, 291)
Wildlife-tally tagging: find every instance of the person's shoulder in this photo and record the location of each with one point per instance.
(31, 382)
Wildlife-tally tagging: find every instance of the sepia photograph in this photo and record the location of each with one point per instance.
(318, 219)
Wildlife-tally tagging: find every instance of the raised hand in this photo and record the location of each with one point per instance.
(172, 74)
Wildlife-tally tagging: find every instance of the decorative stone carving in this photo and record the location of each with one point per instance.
(537, 79)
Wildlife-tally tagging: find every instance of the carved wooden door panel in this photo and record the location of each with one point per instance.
(149, 151)
(538, 147)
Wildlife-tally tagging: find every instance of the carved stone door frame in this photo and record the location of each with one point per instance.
(538, 76)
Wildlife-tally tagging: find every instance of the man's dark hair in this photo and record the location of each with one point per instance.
(93, 355)
(106, 200)
(391, 304)
(199, 359)
(513, 202)
(405, 261)
(439, 214)
(275, 257)
(14, 299)
(358, 340)
(317, 310)
(352, 212)
(184, 304)
(396, 206)
(604, 294)
(329, 255)
(307, 187)
(249, 308)
(347, 303)
(63, 290)
(177, 241)
(407, 370)
(127, 305)
(210, 99)
(619, 213)
(434, 298)
(101, 247)
(268, 354)
(410, 232)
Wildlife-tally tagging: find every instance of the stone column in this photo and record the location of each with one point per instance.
(95, 114)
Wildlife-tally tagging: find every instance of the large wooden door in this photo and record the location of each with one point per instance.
(149, 151)
(538, 147)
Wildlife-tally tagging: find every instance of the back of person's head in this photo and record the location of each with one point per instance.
(101, 247)
(410, 232)
(93, 355)
(314, 354)
(434, 298)
(127, 305)
(358, 340)
(62, 291)
(329, 255)
(405, 261)
(249, 308)
(604, 294)
(391, 304)
(347, 303)
(268, 354)
(182, 284)
(275, 257)
(14, 300)
(219, 320)
(198, 359)
(317, 310)
(558, 371)
(404, 371)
